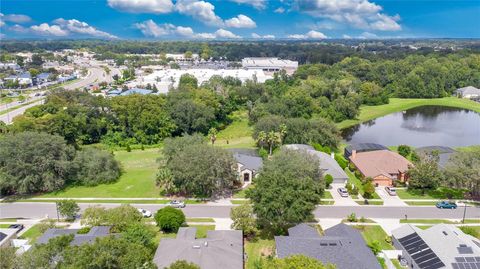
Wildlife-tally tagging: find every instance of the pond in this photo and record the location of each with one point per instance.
(420, 126)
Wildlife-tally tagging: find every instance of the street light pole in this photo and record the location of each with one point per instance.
(58, 215)
(464, 212)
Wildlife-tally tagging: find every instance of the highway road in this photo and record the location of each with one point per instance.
(95, 75)
(40, 210)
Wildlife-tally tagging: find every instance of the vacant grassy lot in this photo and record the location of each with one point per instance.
(238, 134)
(138, 179)
(374, 233)
(255, 250)
(397, 104)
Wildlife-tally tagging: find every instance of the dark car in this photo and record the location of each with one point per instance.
(19, 227)
(446, 204)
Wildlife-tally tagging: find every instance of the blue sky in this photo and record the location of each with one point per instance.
(239, 19)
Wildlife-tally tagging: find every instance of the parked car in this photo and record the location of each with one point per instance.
(343, 192)
(19, 227)
(391, 191)
(145, 213)
(446, 204)
(176, 204)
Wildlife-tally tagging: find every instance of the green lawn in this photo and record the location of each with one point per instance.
(241, 193)
(8, 220)
(4, 225)
(327, 195)
(397, 104)
(98, 201)
(358, 183)
(238, 134)
(370, 202)
(255, 250)
(409, 194)
(240, 202)
(138, 179)
(397, 264)
(374, 233)
(471, 230)
(32, 234)
(438, 194)
(420, 203)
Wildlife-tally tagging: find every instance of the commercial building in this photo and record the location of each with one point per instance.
(342, 246)
(220, 249)
(441, 246)
(269, 64)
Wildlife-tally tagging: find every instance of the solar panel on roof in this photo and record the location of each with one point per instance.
(470, 259)
(423, 256)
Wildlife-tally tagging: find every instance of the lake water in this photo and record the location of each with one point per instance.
(421, 126)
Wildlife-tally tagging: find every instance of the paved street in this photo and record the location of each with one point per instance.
(40, 210)
(8, 117)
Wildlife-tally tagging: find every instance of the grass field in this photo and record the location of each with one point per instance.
(255, 250)
(420, 203)
(200, 220)
(32, 234)
(374, 233)
(138, 179)
(471, 230)
(397, 104)
(238, 134)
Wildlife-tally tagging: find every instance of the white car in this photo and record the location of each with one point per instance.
(145, 213)
(391, 191)
(343, 192)
(176, 204)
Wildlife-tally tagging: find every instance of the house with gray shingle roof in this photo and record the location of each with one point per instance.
(78, 239)
(469, 92)
(328, 165)
(248, 164)
(341, 245)
(220, 249)
(444, 153)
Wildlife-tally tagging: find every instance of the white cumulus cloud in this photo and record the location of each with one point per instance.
(241, 21)
(258, 4)
(222, 33)
(360, 14)
(143, 6)
(310, 35)
(46, 29)
(257, 36)
(16, 18)
(199, 10)
(80, 27)
(279, 10)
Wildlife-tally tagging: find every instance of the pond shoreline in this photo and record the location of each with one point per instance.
(397, 104)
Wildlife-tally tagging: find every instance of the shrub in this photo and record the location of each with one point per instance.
(129, 149)
(352, 217)
(169, 219)
(263, 153)
(388, 239)
(94, 166)
(341, 161)
(363, 219)
(404, 150)
(368, 188)
(84, 230)
(182, 264)
(328, 180)
(375, 247)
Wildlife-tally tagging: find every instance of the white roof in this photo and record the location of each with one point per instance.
(469, 90)
(261, 62)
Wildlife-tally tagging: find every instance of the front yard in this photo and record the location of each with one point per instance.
(373, 233)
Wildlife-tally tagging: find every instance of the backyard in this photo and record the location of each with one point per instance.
(257, 249)
(373, 233)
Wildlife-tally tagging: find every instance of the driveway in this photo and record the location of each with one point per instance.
(389, 200)
(339, 200)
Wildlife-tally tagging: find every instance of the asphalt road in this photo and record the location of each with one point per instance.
(95, 75)
(40, 210)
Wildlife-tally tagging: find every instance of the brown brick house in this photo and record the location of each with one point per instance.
(383, 166)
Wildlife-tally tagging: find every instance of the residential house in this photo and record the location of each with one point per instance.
(383, 166)
(43, 78)
(24, 79)
(79, 239)
(220, 249)
(328, 165)
(6, 236)
(12, 66)
(342, 246)
(441, 246)
(444, 153)
(248, 164)
(469, 92)
(361, 147)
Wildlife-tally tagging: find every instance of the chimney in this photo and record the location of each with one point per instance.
(354, 154)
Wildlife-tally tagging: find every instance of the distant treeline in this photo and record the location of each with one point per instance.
(326, 52)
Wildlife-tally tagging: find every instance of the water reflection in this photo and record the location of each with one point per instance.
(421, 126)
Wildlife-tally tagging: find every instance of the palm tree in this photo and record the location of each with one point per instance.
(261, 139)
(272, 139)
(213, 135)
(283, 132)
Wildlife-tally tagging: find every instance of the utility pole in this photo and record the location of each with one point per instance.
(464, 212)
(58, 215)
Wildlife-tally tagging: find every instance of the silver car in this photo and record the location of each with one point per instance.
(176, 204)
(391, 191)
(343, 192)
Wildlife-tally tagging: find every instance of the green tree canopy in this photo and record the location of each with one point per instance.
(288, 188)
(169, 219)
